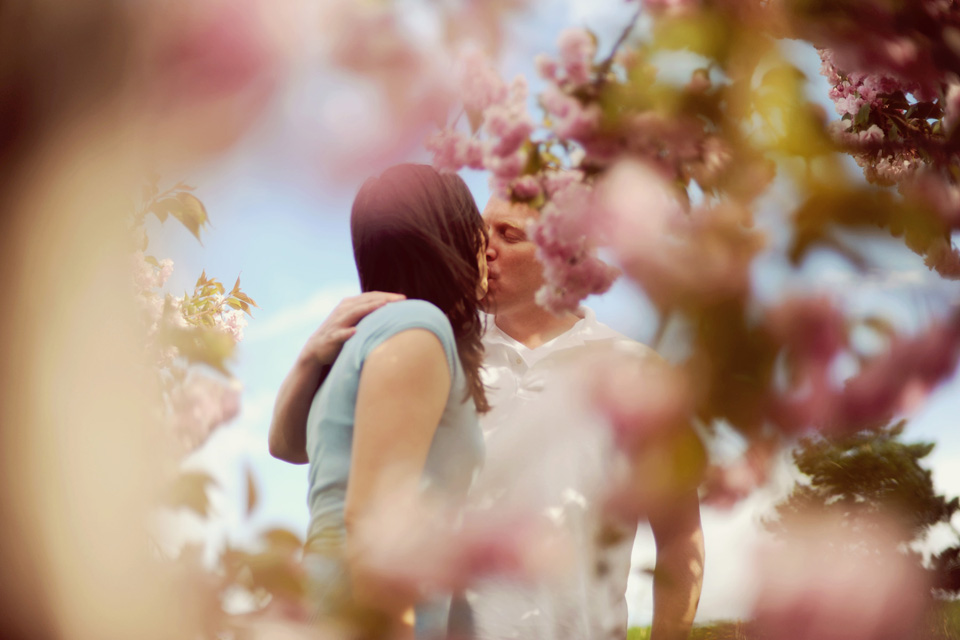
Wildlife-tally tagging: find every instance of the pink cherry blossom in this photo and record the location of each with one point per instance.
(453, 150)
(566, 247)
(726, 484)
(642, 399)
(480, 84)
(508, 125)
(671, 7)
(232, 322)
(556, 181)
(911, 365)
(639, 209)
(577, 50)
(505, 168)
(146, 276)
(678, 257)
(827, 582)
(211, 68)
(421, 546)
(571, 119)
(199, 406)
(887, 386)
(812, 329)
(526, 188)
(546, 67)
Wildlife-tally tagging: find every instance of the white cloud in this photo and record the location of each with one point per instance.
(309, 313)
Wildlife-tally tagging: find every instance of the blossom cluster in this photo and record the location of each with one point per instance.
(565, 245)
(500, 112)
(897, 91)
(180, 332)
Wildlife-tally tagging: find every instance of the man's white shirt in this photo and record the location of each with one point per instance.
(548, 451)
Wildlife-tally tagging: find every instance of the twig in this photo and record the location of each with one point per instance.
(608, 62)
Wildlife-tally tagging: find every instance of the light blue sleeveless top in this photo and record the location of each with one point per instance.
(455, 454)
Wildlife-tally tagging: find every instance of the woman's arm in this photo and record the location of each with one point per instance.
(403, 390)
(288, 429)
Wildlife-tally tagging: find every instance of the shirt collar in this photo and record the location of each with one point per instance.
(574, 336)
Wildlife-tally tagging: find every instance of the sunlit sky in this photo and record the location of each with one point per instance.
(280, 220)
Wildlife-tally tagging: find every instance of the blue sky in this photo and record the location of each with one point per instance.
(280, 220)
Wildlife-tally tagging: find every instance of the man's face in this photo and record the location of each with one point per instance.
(515, 273)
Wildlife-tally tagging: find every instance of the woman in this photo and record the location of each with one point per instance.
(399, 405)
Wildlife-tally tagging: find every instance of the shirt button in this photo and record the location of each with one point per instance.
(519, 360)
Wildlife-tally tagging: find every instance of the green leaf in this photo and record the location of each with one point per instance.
(191, 213)
(863, 116)
(152, 261)
(245, 298)
(201, 345)
(189, 491)
(164, 207)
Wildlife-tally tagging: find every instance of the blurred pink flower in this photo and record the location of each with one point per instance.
(944, 258)
(676, 256)
(148, 277)
(200, 405)
(893, 39)
(526, 188)
(824, 583)
(939, 192)
(571, 119)
(812, 329)
(577, 50)
(480, 84)
(891, 384)
(643, 399)
(399, 87)
(505, 167)
(725, 485)
(566, 246)
(211, 68)
(507, 123)
(546, 66)
(556, 181)
(453, 150)
(671, 7)
(421, 546)
(232, 322)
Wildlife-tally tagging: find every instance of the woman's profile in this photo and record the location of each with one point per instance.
(399, 405)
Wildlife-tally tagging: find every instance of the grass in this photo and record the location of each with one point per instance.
(943, 624)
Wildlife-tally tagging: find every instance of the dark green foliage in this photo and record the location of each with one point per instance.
(864, 475)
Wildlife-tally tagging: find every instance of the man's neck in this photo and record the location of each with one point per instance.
(534, 326)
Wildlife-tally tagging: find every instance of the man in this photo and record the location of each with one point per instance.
(525, 348)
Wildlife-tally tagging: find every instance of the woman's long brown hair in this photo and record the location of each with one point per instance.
(419, 232)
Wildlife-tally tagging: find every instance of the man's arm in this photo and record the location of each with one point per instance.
(678, 576)
(288, 429)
